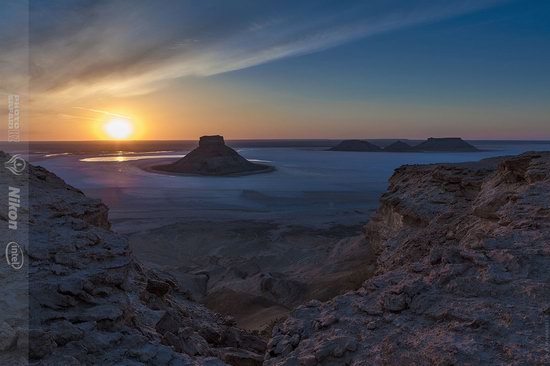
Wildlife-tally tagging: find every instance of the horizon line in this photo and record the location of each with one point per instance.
(282, 139)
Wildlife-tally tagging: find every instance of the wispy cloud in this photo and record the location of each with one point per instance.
(75, 117)
(106, 113)
(84, 48)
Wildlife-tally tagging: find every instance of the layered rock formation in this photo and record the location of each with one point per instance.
(92, 304)
(213, 157)
(355, 145)
(463, 258)
(446, 144)
(399, 146)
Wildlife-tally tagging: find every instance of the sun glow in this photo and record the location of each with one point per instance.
(119, 128)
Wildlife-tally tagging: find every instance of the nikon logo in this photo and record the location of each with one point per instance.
(14, 202)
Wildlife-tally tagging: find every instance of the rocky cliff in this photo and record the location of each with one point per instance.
(91, 303)
(462, 278)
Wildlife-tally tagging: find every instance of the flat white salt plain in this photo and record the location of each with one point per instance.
(309, 187)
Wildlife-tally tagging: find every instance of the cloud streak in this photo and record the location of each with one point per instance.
(105, 113)
(83, 48)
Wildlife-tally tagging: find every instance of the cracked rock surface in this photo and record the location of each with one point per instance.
(91, 303)
(463, 274)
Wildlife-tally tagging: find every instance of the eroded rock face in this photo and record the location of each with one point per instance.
(213, 157)
(92, 304)
(464, 252)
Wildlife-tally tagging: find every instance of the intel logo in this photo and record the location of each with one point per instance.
(14, 255)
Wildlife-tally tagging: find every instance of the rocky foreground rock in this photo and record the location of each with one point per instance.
(463, 275)
(92, 304)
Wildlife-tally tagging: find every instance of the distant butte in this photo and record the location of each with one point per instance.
(399, 146)
(446, 144)
(213, 158)
(355, 145)
(432, 144)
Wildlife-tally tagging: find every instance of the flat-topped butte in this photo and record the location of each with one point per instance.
(432, 144)
(213, 158)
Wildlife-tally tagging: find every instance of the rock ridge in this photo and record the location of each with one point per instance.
(92, 303)
(463, 252)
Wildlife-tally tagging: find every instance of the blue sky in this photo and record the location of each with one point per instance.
(493, 60)
(486, 54)
(319, 69)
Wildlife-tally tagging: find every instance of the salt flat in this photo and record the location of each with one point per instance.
(310, 186)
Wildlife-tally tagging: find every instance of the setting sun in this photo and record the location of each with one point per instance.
(119, 128)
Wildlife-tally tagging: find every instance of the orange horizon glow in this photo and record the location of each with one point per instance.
(238, 113)
(185, 117)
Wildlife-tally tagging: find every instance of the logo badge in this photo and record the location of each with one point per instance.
(14, 255)
(16, 164)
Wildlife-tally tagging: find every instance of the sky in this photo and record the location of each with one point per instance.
(249, 69)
